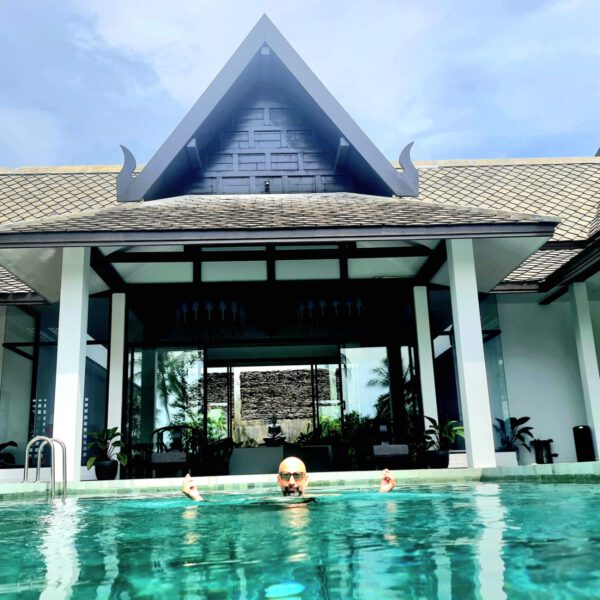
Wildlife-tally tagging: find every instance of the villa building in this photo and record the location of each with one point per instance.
(268, 260)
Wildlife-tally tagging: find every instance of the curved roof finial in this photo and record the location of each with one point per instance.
(125, 176)
(409, 175)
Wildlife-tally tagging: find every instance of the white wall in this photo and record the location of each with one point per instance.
(542, 373)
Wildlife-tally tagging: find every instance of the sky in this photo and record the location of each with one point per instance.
(460, 78)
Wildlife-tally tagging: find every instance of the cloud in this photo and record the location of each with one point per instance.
(464, 79)
(29, 136)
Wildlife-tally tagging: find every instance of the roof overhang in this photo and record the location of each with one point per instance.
(225, 236)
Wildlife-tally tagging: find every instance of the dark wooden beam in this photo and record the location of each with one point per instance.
(271, 263)
(553, 296)
(269, 254)
(433, 264)
(342, 154)
(106, 271)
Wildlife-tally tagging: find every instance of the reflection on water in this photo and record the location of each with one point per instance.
(59, 550)
(462, 541)
(491, 514)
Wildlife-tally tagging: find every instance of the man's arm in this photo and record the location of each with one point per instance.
(388, 483)
(190, 490)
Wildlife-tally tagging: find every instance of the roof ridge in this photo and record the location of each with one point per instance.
(66, 169)
(481, 162)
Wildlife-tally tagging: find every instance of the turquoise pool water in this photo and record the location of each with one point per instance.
(439, 541)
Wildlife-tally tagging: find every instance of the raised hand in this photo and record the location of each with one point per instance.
(190, 490)
(388, 483)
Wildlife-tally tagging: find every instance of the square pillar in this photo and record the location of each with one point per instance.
(587, 357)
(425, 350)
(116, 367)
(470, 358)
(70, 358)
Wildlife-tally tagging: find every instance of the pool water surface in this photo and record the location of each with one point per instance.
(479, 540)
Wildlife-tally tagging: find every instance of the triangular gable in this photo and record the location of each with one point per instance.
(175, 154)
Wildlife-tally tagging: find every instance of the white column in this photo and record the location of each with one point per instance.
(470, 359)
(588, 360)
(2, 333)
(116, 362)
(425, 350)
(70, 358)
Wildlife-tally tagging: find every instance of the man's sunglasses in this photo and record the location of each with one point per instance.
(287, 476)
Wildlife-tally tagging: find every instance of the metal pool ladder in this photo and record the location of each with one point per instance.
(46, 440)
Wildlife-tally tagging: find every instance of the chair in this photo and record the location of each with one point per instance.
(217, 457)
(175, 450)
(392, 456)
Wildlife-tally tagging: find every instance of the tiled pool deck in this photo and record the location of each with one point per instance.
(588, 472)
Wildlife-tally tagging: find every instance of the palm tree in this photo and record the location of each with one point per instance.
(381, 379)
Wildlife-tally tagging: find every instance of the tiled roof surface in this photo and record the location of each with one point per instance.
(273, 211)
(568, 188)
(9, 284)
(34, 195)
(541, 264)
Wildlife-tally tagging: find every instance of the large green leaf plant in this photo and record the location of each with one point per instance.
(440, 436)
(513, 432)
(108, 446)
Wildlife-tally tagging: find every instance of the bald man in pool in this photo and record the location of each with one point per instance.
(292, 480)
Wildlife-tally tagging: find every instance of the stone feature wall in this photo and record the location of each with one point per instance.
(285, 394)
(216, 387)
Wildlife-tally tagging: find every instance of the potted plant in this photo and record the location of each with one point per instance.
(438, 438)
(6, 458)
(108, 447)
(513, 434)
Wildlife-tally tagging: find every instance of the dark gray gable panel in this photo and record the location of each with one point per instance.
(268, 143)
(184, 158)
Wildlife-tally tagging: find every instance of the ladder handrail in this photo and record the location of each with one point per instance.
(46, 440)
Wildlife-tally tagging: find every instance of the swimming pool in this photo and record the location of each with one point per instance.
(510, 540)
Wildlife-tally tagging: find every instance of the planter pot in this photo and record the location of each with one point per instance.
(438, 459)
(106, 469)
(507, 458)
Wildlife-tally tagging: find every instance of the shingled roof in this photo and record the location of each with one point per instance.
(566, 187)
(271, 212)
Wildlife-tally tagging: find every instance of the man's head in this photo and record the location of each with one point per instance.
(292, 478)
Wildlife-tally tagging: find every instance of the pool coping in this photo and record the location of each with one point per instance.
(588, 472)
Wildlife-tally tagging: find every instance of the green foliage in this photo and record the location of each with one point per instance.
(7, 459)
(439, 436)
(248, 443)
(328, 431)
(108, 446)
(381, 379)
(360, 434)
(216, 424)
(512, 433)
(181, 395)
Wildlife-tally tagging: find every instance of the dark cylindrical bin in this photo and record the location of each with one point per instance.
(584, 445)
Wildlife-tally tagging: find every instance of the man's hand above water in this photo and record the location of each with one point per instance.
(388, 483)
(190, 490)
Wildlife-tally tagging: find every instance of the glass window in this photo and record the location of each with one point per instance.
(16, 383)
(249, 270)
(288, 270)
(164, 418)
(166, 272)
